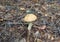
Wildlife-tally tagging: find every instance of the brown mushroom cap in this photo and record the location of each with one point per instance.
(30, 18)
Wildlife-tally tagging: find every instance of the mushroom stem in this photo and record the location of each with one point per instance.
(29, 26)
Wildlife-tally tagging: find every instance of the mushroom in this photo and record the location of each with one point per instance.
(30, 18)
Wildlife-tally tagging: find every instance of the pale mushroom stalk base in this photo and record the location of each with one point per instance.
(29, 29)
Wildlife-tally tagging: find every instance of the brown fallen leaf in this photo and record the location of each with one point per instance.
(11, 29)
(42, 27)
